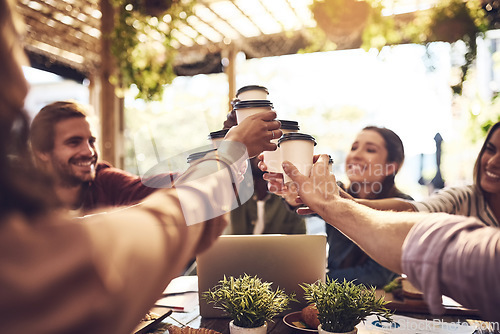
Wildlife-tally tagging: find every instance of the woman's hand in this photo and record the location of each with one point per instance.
(256, 132)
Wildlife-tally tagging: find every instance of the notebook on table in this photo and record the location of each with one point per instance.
(285, 260)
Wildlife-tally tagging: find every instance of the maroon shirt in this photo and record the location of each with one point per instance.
(116, 187)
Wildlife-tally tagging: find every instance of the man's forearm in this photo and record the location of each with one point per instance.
(380, 234)
(394, 204)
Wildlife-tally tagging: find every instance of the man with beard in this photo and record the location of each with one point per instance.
(265, 212)
(64, 146)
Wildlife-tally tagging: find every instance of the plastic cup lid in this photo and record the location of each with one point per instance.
(251, 87)
(296, 136)
(218, 134)
(198, 155)
(289, 125)
(253, 104)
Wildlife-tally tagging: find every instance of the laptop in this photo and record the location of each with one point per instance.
(285, 260)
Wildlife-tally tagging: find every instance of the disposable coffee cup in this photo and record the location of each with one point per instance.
(193, 157)
(272, 159)
(298, 148)
(252, 92)
(216, 137)
(244, 109)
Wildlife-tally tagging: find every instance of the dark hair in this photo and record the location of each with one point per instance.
(477, 165)
(23, 188)
(395, 153)
(42, 127)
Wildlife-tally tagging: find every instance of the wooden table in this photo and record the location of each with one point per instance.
(193, 319)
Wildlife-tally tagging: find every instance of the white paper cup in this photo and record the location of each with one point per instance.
(217, 137)
(272, 159)
(242, 113)
(298, 148)
(252, 92)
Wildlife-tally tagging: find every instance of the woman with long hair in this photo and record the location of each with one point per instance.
(375, 158)
(480, 199)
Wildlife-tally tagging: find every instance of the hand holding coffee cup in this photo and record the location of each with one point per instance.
(256, 132)
(297, 148)
(272, 159)
(244, 109)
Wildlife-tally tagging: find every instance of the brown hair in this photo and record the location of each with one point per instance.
(395, 153)
(477, 165)
(42, 128)
(22, 188)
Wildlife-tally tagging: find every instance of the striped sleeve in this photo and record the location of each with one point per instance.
(466, 201)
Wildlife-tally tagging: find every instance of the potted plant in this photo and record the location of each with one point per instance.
(343, 305)
(249, 302)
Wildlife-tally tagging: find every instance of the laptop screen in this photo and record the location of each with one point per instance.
(284, 260)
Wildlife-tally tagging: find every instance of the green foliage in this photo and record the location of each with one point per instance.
(143, 46)
(247, 300)
(449, 21)
(341, 306)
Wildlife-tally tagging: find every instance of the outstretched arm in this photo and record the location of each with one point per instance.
(380, 234)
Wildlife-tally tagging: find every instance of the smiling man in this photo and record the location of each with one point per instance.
(64, 146)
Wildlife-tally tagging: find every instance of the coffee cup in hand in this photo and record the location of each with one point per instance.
(272, 159)
(244, 109)
(298, 148)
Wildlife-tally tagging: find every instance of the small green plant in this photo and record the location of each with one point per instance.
(247, 300)
(341, 306)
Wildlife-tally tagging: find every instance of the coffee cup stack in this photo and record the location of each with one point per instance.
(298, 148)
(272, 159)
(250, 100)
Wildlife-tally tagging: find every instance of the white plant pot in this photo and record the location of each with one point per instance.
(322, 331)
(233, 329)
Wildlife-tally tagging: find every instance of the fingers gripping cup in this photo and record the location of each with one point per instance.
(252, 92)
(244, 109)
(298, 148)
(272, 159)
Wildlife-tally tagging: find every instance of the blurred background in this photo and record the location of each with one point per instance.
(334, 82)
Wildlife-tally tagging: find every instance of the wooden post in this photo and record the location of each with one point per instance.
(231, 72)
(109, 106)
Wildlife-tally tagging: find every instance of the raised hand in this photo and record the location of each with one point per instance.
(256, 132)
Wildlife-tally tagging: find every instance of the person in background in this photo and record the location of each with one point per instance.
(441, 254)
(480, 200)
(63, 145)
(103, 272)
(265, 212)
(375, 158)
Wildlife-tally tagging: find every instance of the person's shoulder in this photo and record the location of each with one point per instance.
(470, 189)
(105, 173)
(104, 167)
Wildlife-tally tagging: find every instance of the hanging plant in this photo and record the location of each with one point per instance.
(449, 21)
(342, 21)
(143, 44)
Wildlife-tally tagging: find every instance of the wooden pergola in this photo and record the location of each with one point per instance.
(69, 34)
